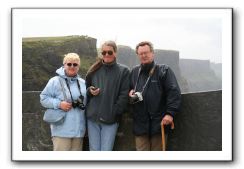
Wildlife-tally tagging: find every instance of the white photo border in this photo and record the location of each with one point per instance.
(226, 14)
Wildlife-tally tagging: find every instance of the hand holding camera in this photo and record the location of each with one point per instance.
(65, 106)
(94, 90)
(135, 97)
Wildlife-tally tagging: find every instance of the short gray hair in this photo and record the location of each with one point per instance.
(144, 43)
(72, 57)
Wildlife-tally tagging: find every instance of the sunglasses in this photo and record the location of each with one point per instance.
(105, 52)
(70, 64)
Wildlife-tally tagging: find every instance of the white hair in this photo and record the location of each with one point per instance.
(71, 57)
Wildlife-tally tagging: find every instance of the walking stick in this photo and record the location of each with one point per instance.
(163, 135)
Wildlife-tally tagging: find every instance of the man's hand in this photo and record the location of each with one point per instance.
(167, 120)
(131, 93)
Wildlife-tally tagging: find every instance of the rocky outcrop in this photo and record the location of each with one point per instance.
(217, 68)
(199, 75)
(192, 75)
(170, 58)
(42, 56)
(127, 56)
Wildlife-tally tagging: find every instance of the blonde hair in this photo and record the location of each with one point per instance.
(71, 57)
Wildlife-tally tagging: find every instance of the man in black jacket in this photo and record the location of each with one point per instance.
(155, 97)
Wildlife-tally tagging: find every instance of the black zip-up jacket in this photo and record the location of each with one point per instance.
(161, 96)
(113, 81)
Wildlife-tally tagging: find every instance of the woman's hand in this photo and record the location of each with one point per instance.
(65, 106)
(94, 91)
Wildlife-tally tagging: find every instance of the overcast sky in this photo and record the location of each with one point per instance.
(196, 34)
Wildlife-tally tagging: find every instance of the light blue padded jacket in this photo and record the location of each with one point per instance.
(51, 97)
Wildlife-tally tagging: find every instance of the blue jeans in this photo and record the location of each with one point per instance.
(101, 136)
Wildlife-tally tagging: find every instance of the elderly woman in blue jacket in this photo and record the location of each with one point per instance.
(67, 136)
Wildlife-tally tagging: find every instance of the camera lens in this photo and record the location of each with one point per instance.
(82, 107)
(79, 103)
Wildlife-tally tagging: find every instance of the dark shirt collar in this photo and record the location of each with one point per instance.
(145, 68)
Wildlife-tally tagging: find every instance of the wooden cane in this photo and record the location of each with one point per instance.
(163, 135)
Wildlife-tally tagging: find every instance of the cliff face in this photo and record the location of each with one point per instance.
(127, 56)
(192, 75)
(42, 56)
(217, 68)
(172, 59)
(199, 75)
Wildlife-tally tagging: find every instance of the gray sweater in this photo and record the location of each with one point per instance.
(113, 81)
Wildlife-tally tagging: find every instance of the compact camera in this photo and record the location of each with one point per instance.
(79, 103)
(136, 97)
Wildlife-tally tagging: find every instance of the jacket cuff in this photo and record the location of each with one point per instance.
(88, 92)
(56, 104)
(171, 113)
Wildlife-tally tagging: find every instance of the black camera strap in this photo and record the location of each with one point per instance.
(150, 75)
(78, 84)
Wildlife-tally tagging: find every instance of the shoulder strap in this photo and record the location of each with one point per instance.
(78, 84)
(62, 86)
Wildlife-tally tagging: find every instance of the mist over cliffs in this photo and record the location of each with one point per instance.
(42, 56)
(200, 76)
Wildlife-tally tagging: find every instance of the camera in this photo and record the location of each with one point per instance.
(79, 103)
(136, 97)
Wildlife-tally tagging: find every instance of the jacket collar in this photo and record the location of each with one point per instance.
(145, 68)
(61, 73)
(109, 64)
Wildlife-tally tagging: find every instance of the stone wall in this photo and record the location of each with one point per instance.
(198, 127)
